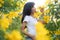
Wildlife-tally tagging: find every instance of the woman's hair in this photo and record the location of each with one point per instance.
(27, 9)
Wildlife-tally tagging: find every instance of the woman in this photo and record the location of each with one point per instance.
(29, 21)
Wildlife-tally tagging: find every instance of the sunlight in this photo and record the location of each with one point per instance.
(38, 2)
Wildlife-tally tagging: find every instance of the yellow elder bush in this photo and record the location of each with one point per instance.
(6, 19)
(14, 35)
(57, 32)
(12, 15)
(46, 11)
(37, 14)
(48, 2)
(1, 3)
(4, 23)
(46, 19)
(41, 32)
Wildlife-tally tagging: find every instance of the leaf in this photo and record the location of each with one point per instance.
(2, 33)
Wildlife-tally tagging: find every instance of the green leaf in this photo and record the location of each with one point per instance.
(2, 33)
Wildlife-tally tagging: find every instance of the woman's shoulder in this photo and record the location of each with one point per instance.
(27, 16)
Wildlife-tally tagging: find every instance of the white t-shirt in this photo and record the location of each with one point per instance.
(31, 21)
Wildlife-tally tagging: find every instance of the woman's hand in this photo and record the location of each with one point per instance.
(29, 35)
(33, 38)
(42, 21)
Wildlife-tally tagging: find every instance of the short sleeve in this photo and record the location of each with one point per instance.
(26, 19)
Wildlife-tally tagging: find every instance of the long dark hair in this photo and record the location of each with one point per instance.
(27, 9)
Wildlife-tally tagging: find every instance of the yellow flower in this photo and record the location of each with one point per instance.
(18, 3)
(48, 2)
(21, 5)
(0, 22)
(4, 23)
(41, 32)
(0, 5)
(37, 15)
(40, 28)
(46, 11)
(46, 19)
(18, 11)
(20, 16)
(12, 0)
(14, 35)
(8, 36)
(1, 0)
(6, 16)
(12, 15)
(43, 37)
(57, 32)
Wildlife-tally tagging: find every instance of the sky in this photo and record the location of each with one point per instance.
(38, 2)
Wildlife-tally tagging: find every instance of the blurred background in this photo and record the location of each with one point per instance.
(11, 14)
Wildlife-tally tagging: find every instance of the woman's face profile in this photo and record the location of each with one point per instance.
(33, 10)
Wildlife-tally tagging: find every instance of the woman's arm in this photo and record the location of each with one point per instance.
(26, 33)
(42, 21)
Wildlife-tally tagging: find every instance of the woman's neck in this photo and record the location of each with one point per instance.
(32, 15)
